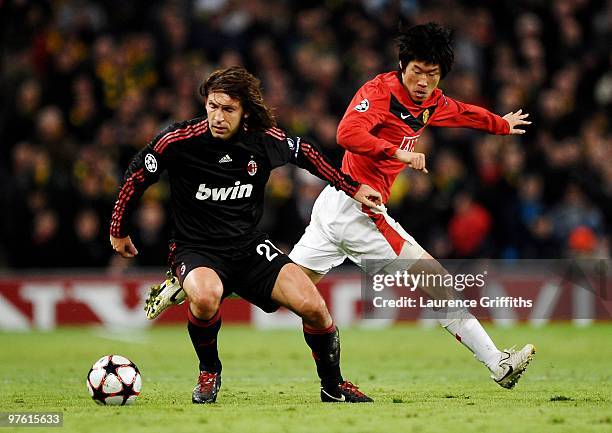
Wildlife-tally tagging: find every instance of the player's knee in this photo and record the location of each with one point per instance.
(206, 299)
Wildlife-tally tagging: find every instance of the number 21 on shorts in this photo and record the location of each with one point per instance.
(267, 249)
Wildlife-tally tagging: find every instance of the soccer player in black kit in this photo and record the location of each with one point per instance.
(218, 167)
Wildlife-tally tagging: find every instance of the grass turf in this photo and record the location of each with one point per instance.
(421, 379)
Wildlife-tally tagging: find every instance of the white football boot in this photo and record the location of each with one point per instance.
(162, 296)
(512, 365)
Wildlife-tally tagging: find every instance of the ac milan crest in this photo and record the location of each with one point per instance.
(252, 167)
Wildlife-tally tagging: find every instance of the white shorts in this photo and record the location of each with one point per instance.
(341, 227)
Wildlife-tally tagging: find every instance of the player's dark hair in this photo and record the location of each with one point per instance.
(429, 43)
(238, 83)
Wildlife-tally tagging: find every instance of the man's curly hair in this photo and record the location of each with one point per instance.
(240, 84)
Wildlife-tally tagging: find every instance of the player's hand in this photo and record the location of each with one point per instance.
(412, 159)
(368, 196)
(124, 246)
(516, 119)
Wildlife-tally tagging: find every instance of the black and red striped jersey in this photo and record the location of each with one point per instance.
(216, 186)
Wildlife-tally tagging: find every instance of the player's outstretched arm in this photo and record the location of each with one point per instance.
(456, 114)
(368, 196)
(124, 246)
(516, 119)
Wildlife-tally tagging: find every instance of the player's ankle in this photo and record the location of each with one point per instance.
(211, 367)
(331, 382)
(492, 363)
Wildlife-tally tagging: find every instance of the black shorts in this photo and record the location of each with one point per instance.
(248, 268)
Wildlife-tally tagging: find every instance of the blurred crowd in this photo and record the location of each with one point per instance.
(85, 84)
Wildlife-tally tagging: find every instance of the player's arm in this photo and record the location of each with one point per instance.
(363, 115)
(455, 114)
(143, 171)
(307, 155)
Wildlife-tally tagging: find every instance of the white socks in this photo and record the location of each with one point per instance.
(468, 330)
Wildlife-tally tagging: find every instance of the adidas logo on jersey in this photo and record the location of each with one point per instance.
(226, 158)
(222, 194)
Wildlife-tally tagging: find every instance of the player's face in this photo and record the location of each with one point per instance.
(420, 79)
(224, 115)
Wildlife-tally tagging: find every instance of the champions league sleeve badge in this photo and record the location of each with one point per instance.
(363, 106)
(150, 163)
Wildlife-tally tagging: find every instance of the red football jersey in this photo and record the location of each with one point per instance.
(382, 118)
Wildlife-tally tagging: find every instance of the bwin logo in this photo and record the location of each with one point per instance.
(229, 193)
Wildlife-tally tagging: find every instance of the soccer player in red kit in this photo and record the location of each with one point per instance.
(379, 131)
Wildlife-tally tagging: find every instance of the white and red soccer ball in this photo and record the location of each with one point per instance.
(114, 380)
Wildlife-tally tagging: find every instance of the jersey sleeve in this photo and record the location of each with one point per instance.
(455, 114)
(282, 150)
(364, 114)
(144, 170)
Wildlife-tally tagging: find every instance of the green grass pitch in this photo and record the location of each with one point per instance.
(422, 380)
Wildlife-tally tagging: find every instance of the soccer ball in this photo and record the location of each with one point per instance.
(114, 380)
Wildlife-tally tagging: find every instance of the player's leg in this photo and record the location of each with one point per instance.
(505, 366)
(169, 292)
(315, 254)
(393, 249)
(294, 290)
(314, 276)
(204, 291)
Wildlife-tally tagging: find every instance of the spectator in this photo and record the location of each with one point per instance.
(469, 227)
